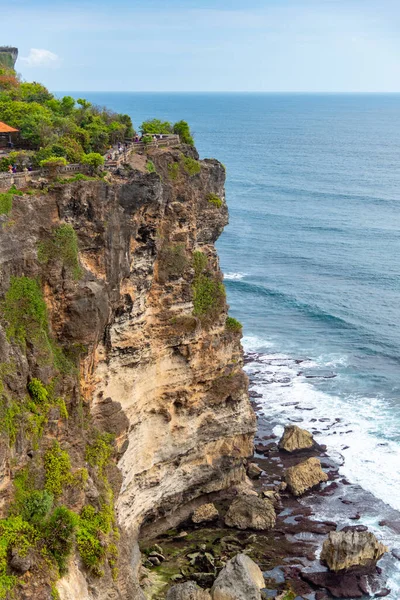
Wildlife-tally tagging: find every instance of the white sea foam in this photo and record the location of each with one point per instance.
(232, 276)
(355, 441)
(365, 423)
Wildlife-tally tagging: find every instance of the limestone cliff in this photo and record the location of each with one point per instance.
(122, 384)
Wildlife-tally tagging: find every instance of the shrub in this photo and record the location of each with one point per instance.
(215, 200)
(150, 167)
(59, 535)
(19, 535)
(36, 506)
(53, 163)
(37, 391)
(91, 549)
(63, 246)
(208, 290)
(191, 166)
(233, 324)
(173, 170)
(93, 160)
(209, 297)
(92, 524)
(182, 129)
(9, 418)
(100, 451)
(57, 466)
(200, 262)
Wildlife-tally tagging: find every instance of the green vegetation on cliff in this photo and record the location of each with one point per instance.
(215, 200)
(208, 291)
(62, 246)
(57, 127)
(181, 128)
(233, 324)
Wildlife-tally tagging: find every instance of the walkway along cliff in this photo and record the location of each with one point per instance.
(123, 397)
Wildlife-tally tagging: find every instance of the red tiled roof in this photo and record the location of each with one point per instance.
(6, 128)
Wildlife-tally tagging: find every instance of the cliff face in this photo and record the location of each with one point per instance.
(133, 300)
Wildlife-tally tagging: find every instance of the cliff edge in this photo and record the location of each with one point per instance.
(122, 391)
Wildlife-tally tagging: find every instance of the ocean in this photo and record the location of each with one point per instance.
(311, 259)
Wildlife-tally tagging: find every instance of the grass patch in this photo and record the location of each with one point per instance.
(77, 177)
(150, 166)
(173, 170)
(232, 324)
(214, 200)
(191, 166)
(62, 246)
(25, 310)
(6, 200)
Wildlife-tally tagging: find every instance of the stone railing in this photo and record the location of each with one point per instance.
(120, 158)
(21, 180)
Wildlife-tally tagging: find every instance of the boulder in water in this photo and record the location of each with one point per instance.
(351, 548)
(294, 439)
(251, 512)
(240, 579)
(304, 476)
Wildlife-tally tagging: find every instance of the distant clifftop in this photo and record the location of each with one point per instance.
(8, 56)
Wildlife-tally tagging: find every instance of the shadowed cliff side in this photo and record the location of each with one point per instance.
(128, 336)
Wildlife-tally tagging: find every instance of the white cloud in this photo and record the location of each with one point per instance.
(41, 58)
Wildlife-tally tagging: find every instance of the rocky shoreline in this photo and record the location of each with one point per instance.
(289, 553)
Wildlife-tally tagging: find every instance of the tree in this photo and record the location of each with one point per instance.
(155, 126)
(34, 92)
(93, 160)
(182, 129)
(85, 104)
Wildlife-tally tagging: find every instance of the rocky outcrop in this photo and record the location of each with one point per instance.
(240, 579)
(251, 512)
(187, 591)
(304, 476)
(294, 439)
(130, 342)
(254, 471)
(343, 550)
(351, 556)
(205, 514)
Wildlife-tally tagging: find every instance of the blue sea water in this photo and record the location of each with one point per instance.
(311, 254)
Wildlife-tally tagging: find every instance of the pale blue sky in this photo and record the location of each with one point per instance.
(204, 45)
